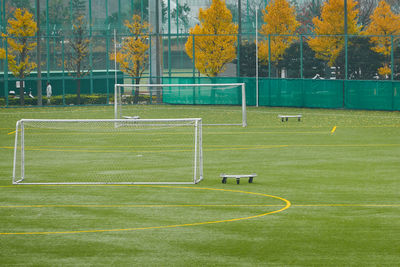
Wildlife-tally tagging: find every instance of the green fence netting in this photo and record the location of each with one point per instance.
(370, 95)
(373, 95)
(202, 95)
(309, 93)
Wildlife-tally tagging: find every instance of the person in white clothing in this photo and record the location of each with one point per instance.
(48, 92)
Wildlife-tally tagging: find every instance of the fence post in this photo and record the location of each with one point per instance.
(269, 56)
(238, 56)
(345, 66)
(301, 56)
(169, 38)
(194, 56)
(38, 55)
(301, 72)
(108, 62)
(345, 39)
(47, 40)
(63, 70)
(392, 57)
(392, 69)
(3, 25)
(90, 47)
(6, 70)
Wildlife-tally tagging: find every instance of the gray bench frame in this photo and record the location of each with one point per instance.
(286, 117)
(237, 177)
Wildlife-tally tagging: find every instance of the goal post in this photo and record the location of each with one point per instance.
(215, 94)
(143, 151)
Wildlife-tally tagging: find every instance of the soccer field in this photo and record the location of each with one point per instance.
(326, 194)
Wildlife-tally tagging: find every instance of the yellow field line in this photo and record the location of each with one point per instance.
(205, 149)
(287, 205)
(211, 133)
(167, 133)
(347, 205)
(136, 146)
(106, 151)
(140, 206)
(214, 133)
(345, 145)
(270, 132)
(146, 151)
(193, 205)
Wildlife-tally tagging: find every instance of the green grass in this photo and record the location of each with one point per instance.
(343, 189)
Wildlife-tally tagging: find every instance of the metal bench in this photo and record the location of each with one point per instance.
(286, 117)
(237, 177)
(131, 117)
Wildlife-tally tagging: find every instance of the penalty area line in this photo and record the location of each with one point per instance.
(192, 205)
(346, 205)
(140, 206)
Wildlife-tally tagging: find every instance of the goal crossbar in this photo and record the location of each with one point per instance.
(242, 85)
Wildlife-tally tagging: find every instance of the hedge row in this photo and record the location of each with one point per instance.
(73, 100)
(58, 100)
(141, 99)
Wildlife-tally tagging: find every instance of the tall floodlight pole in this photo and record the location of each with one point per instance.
(256, 56)
(345, 39)
(38, 56)
(169, 38)
(155, 59)
(239, 36)
(115, 56)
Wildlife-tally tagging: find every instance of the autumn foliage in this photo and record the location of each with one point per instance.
(20, 32)
(132, 56)
(280, 21)
(383, 22)
(214, 39)
(2, 53)
(332, 23)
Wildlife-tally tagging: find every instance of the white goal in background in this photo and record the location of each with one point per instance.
(143, 151)
(216, 94)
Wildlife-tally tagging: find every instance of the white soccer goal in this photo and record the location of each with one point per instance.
(143, 151)
(226, 102)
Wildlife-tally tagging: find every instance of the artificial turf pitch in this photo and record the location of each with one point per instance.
(326, 194)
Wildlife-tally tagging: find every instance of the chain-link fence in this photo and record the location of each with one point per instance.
(299, 77)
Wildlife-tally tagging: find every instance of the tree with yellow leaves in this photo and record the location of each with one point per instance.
(20, 32)
(280, 21)
(214, 39)
(132, 57)
(2, 53)
(332, 23)
(383, 22)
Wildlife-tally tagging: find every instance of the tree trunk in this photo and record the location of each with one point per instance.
(136, 98)
(213, 80)
(21, 93)
(78, 91)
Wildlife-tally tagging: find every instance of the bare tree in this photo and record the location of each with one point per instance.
(305, 14)
(366, 8)
(79, 51)
(395, 4)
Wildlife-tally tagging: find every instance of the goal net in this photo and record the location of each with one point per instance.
(143, 151)
(226, 102)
